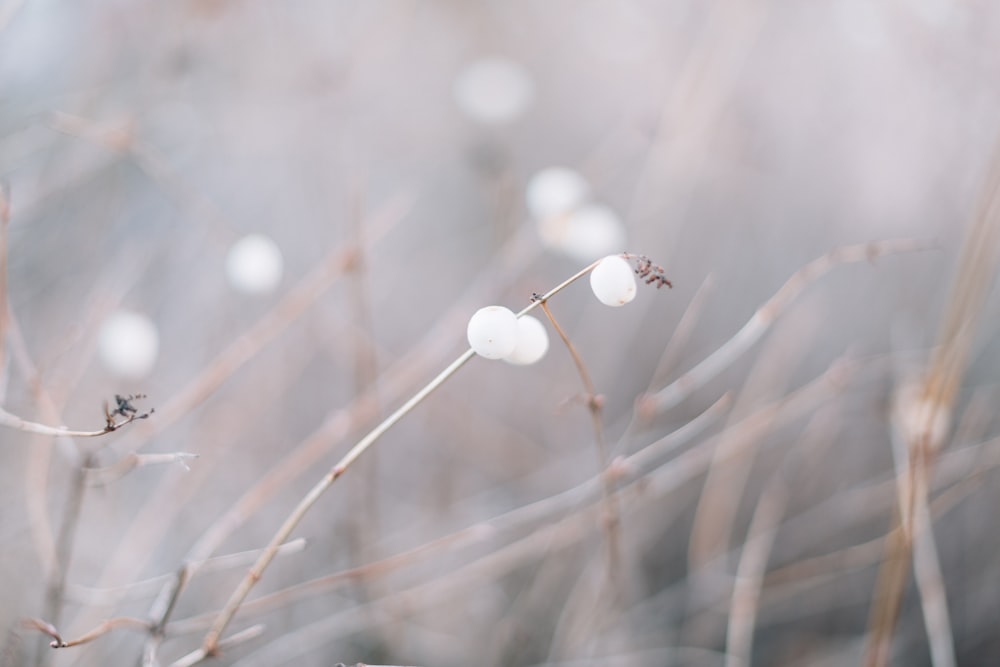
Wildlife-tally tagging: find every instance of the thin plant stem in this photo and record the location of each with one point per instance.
(4, 226)
(15, 422)
(764, 317)
(64, 551)
(393, 383)
(104, 628)
(920, 429)
(211, 642)
(611, 520)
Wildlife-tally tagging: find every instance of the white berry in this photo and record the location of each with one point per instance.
(613, 281)
(128, 344)
(254, 265)
(492, 332)
(555, 191)
(494, 91)
(532, 342)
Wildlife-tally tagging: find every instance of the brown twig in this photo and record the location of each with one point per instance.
(921, 423)
(594, 402)
(15, 422)
(104, 628)
(236, 639)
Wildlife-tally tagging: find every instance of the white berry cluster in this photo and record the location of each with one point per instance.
(495, 332)
(569, 221)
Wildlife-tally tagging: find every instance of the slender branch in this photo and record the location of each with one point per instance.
(394, 383)
(131, 461)
(542, 510)
(750, 572)
(15, 422)
(594, 403)
(211, 641)
(201, 654)
(104, 628)
(56, 587)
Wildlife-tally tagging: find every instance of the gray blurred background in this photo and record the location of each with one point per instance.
(737, 140)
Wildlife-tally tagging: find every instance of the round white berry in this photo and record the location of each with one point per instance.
(254, 265)
(492, 332)
(493, 90)
(532, 342)
(128, 344)
(555, 191)
(585, 233)
(613, 281)
(595, 230)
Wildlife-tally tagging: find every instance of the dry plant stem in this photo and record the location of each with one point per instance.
(978, 266)
(131, 461)
(664, 478)
(685, 329)
(764, 317)
(4, 227)
(101, 630)
(543, 510)
(611, 521)
(64, 550)
(750, 572)
(862, 505)
(865, 554)
(723, 489)
(930, 585)
(15, 422)
(211, 642)
(297, 301)
(366, 521)
(37, 471)
(551, 537)
(514, 256)
(235, 639)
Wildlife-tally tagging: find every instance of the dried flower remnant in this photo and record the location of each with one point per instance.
(649, 272)
(124, 408)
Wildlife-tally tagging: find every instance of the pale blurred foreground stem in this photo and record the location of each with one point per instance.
(211, 643)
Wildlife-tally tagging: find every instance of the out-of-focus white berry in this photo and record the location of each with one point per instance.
(492, 332)
(593, 231)
(254, 265)
(128, 344)
(555, 191)
(613, 281)
(532, 342)
(493, 90)
(585, 234)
